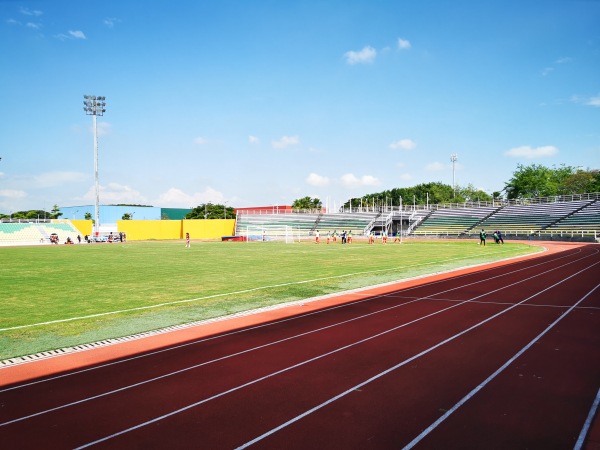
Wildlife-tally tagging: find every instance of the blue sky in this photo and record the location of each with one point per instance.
(261, 102)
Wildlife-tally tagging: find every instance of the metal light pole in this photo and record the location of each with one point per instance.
(453, 158)
(95, 106)
(401, 220)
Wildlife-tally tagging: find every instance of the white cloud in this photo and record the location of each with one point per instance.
(13, 22)
(35, 26)
(405, 176)
(403, 44)
(286, 141)
(564, 60)
(115, 193)
(51, 179)
(253, 139)
(77, 34)
(589, 101)
(317, 180)
(529, 152)
(200, 141)
(365, 56)
(403, 144)
(177, 198)
(351, 181)
(547, 71)
(436, 167)
(12, 193)
(103, 128)
(110, 21)
(28, 12)
(594, 101)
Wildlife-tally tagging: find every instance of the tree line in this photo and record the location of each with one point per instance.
(526, 182)
(530, 181)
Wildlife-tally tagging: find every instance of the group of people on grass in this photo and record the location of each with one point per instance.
(497, 237)
(346, 237)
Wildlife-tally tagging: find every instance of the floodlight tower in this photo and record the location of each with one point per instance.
(453, 158)
(95, 106)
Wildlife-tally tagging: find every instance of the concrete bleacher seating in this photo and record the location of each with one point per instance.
(31, 233)
(586, 219)
(453, 221)
(529, 219)
(276, 226)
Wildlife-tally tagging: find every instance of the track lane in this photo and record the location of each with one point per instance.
(171, 422)
(313, 343)
(352, 415)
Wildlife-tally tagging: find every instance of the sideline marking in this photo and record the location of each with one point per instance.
(244, 291)
(190, 406)
(588, 423)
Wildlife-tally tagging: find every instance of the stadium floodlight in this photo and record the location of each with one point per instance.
(95, 106)
(453, 158)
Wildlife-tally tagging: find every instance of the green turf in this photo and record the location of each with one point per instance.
(91, 292)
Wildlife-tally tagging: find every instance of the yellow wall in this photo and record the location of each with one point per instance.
(208, 229)
(137, 230)
(84, 226)
(141, 230)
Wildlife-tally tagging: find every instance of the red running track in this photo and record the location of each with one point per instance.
(505, 356)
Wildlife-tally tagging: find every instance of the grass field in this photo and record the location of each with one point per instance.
(60, 296)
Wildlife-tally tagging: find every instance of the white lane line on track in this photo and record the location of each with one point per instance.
(588, 423)
(542, 305)
(391, 369)
(471, 394)
(345, 305)
(193, 405)
(227, 294)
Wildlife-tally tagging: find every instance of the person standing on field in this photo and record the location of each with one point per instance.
(187, 240)
(500, 238)
(317, 237)
(482, 237)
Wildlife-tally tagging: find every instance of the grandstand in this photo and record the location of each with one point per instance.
(454, 221)
(583, 222)
(33, 233)
(572, 217)
(515, 220)
(296, 226)
(556, 218)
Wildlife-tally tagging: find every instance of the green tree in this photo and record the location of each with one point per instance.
(55, 213)
(581, 182)
(472, 194)
(536, 181)
(88, 216)
(210, 211)
(420, 194)
(307, 203)
(126, 216)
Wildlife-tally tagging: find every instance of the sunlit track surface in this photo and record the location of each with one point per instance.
(499, 358)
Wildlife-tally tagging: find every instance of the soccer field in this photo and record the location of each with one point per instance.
(61, 296)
